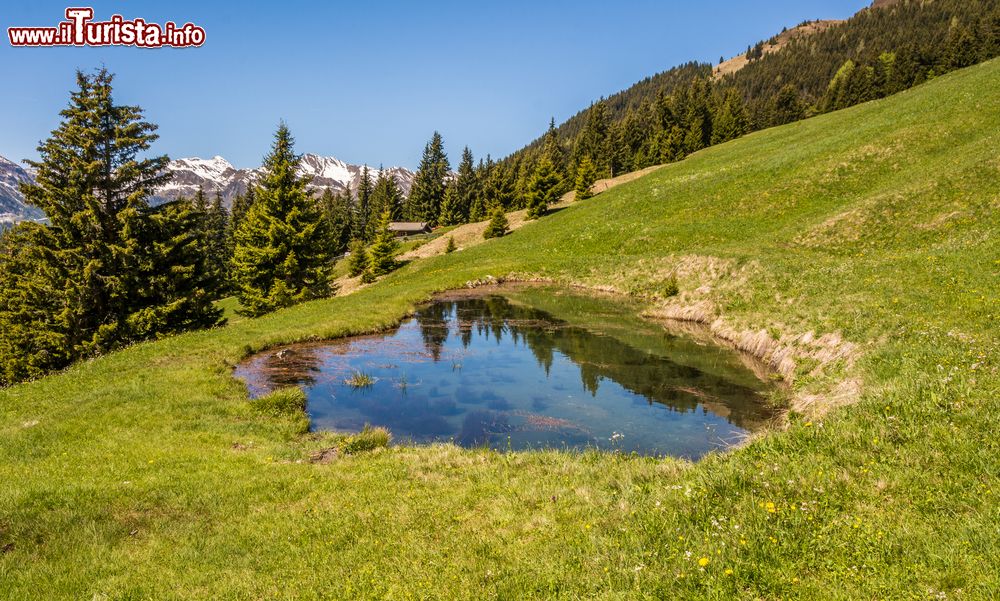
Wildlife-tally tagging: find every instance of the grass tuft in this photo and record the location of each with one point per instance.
(366, 440)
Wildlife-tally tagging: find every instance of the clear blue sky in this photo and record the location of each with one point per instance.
(370, 81)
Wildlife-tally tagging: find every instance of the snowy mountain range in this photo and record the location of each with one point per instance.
(218, 174)
(12, 207)
(215, 174)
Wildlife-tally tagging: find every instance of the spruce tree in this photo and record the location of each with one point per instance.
(498, 225)
(542, 189)
(382, 254)
(358, 260)
(498, 190)
(337, 212)
(215, 226)
(451, 212)
(593, 138)
(424, 203)
(385, 197)
(464, 191)
(179, 271)
(79, 285)
(450, 247)
(362, 208)
(241, 204)
(787, 107)
(282, 253)
(552, 150)
(32, 294)
(92, 185)
(731, 120)
(586, 175)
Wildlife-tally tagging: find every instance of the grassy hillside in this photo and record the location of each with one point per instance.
(145, 474)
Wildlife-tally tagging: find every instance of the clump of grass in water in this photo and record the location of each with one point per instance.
(360, 380)
(367, 439)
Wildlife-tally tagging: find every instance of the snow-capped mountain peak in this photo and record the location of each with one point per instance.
(12, 205)
(218, 175)
(214, 175)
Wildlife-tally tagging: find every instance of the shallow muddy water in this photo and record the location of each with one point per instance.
(525, 370)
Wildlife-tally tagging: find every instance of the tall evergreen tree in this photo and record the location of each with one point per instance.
(382, 254)
(74, 287)
(593, 139)
(466, 191)
(362, 207)
(385, 197)
(451, 212)
(241, 204)
(282, 253)
(424, 203)
(586, 175)
(180, 270)
(215, 226)
(337, 212)
(787, 106)
(499, 189)
(543, 189)
(553, 150)
(731, 120)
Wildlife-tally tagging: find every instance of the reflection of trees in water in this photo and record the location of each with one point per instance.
(433, 322)
(656, 378)
(293, 366)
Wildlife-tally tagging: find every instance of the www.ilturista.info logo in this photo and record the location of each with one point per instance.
(79, 29)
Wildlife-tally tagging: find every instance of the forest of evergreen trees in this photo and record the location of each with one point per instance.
(876, 53)
(108, 270)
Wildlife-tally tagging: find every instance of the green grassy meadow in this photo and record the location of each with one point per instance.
(147, 474)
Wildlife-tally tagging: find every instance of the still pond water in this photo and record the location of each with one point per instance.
(526, 370)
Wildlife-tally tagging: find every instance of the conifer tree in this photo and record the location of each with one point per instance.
(456, 210)
(241, 203)
(450, 247)
(731, 120)
(215, 226)
(75, 286)
(586, 175)
(542, 189)
(362, 207)
(498, 190)
(31, 294)
(382, 254)
(180, 271)
(553, 150)
(468, 183)
(498, 225)
(451, 212)
(385, 197)
(424, 203)
(698, 118)
(358, 261)
(593, 139)
(337, 212)
(787, 107)
(282, 253)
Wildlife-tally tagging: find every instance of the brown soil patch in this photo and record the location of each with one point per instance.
(324, 455)
(739, 61)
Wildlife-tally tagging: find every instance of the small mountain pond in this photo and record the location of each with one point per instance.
(527, 368)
